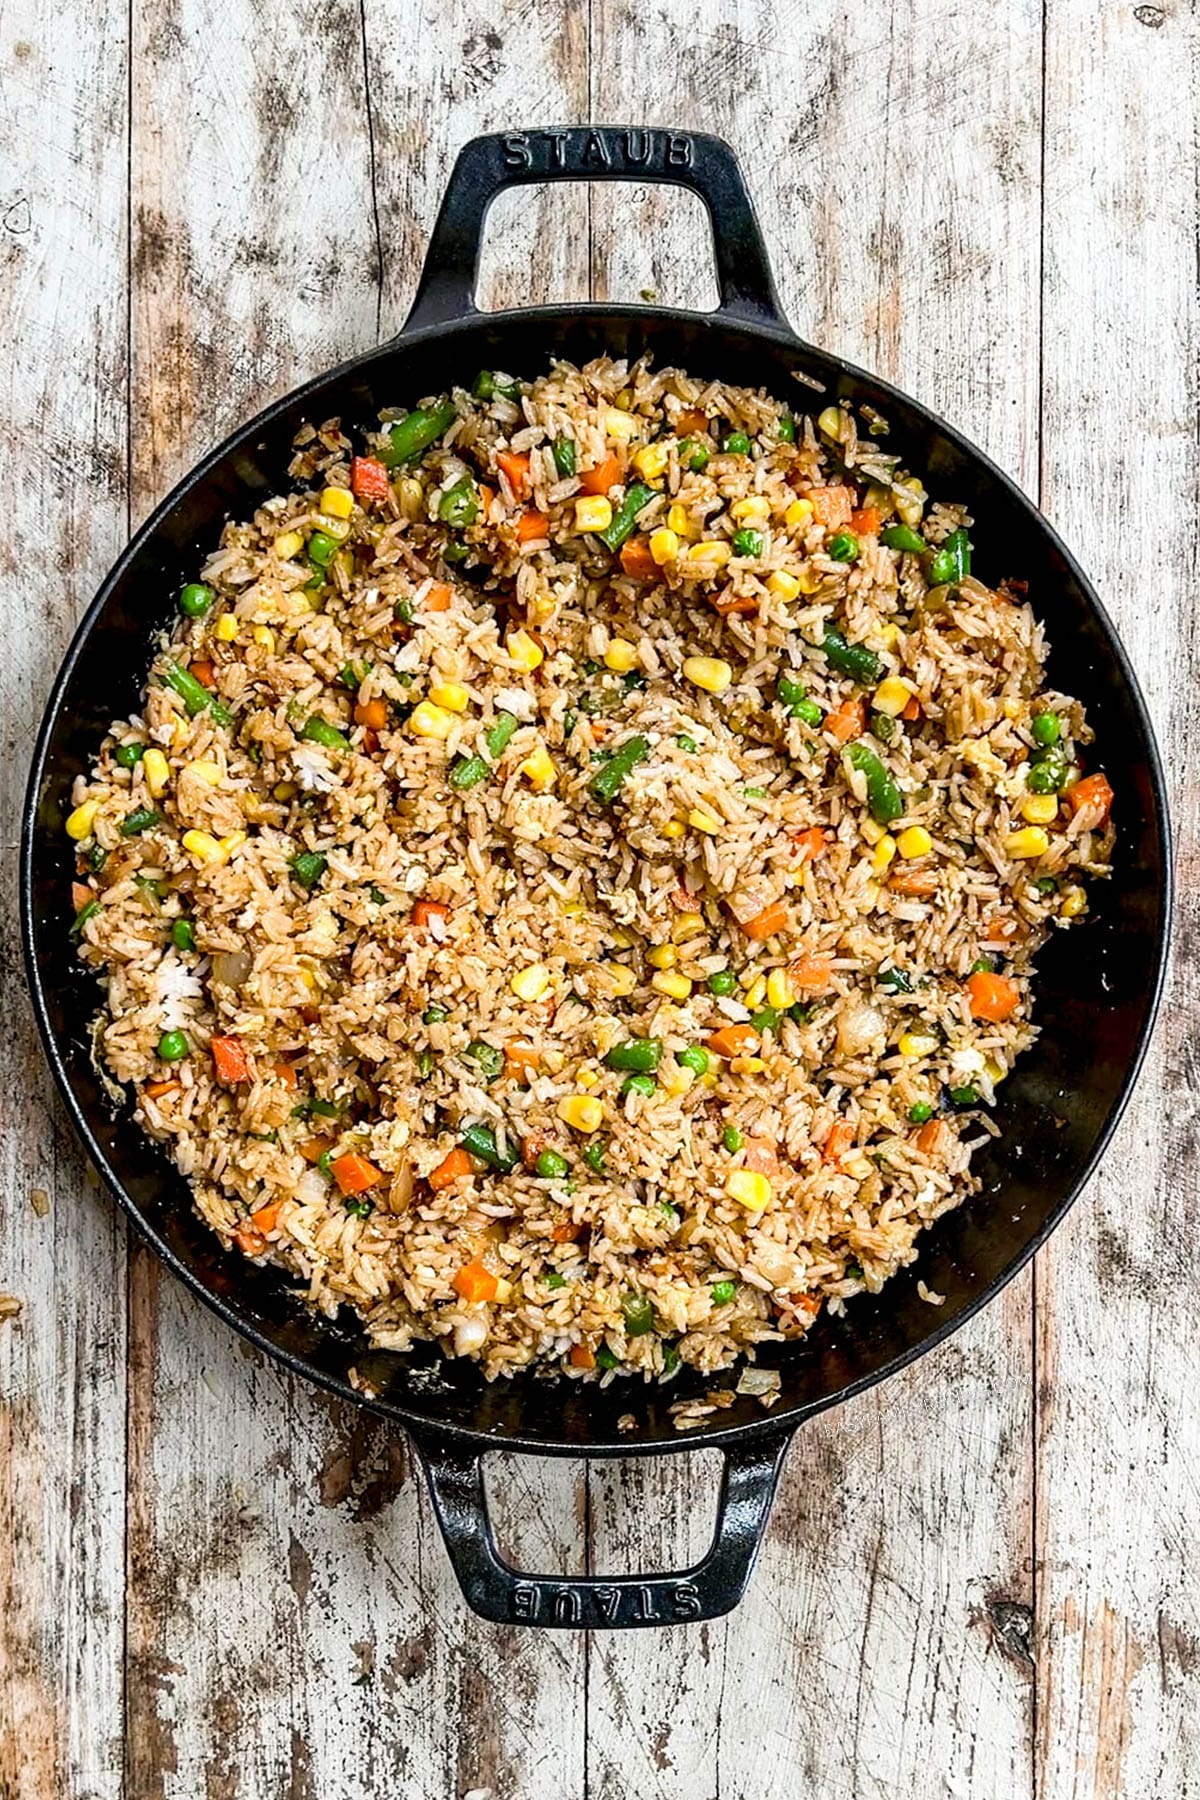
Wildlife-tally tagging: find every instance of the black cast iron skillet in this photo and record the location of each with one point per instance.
(1098, 985)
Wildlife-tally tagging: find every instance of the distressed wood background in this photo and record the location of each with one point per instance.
(979, 1580)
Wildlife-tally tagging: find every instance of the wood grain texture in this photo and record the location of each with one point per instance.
(1118, 1455)
(63, 497)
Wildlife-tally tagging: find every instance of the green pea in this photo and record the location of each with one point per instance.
(593, 1155)
(639, 1084)
(884, 727)
(983, 965)
(747, 543)
(723, 1292)
(403, 612)
(173, 1046)
(1048, 770)
(965, 1096)
(490, 1060)
(322, 549)
(732, 1139)
(695, 457)
(434, 1015)
(308, 867)
(1046, 884)
(554, 1280)
(722, 981)
(687, 743)
(766, 1019)
(128, 756)
(195, 599)
(843, 547)
(642, 1055)
(787, 429)
(736, 444)
(639, 1314)
(921, 1113)
(696, 1058)
(183, 934)
(1046, 728)
(551, 1165)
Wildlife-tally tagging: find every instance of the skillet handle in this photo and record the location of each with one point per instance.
(495, 1590)
(486, 166)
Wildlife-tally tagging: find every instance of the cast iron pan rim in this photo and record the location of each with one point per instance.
(780, 338)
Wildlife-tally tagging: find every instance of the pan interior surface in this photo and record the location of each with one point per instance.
(1096, 989)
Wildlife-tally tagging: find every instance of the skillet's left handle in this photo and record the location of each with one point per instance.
(486, 166)
(497, 1591)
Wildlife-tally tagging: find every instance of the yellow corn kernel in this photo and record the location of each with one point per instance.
(809, 581)
(264, 636)
(783, 585)
(756, 993)
(539, 769)
(581, 1112)
(157, 771)
(541, 609)
(1027, 844)
(1040, 809)
(676, 1082)
(916, 841)
(888, 636)
(681, 522)
(755, 509)
(232, 841)
(711, 673)
(587, 1078)
(1011, 707)
(285, 790)
(428, 720)
(909, 497)
(651, 461)
(687, 925)
(208, 772)
(203, 846)
(672, 984)
(674, 828)
(713, 551)
(79, 823)
(749, 1188)
(308, 977)
(747, 1065)
(411, 496)
(663, 956)
(664, 546)
(503, 1293)
(700, 820)
(620, 656)
(918, 1043)
(288, 544)
(993, 1070)
(573, 909)
(831, 423)
(892, 695)
(337, 502)
(1074, 902)
(593, 513)
(798, 513)
(624, 400)
(620, 424)
(885, 849)
(780, 992)
(532, 983)
(870, 830)
(226, 628)
(451, 696)
(622, 978)
(525, 651)
(338, 529)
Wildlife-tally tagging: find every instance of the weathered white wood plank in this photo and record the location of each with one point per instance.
(895, 168)
(63, 497)
(1119, 1340)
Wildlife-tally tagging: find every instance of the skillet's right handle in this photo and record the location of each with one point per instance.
(486, 166)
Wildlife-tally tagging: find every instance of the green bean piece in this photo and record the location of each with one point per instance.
(403, 612)
(593, 1155)
(564, 457)
(883, 796)
(696, 1058)
(605, 786)
(747, 543)
(903, 537)
(459, 505)
(498, 736)
(416, 432)
(195, 599)
(606, 1358)
(325, 1164)
(965, 1096)
(984, 965)
(803, 1015)
(426, 1064)
(732, 1139)
(639, 1314)
(355, 672)
(952, 561)
(670, 1356)
(323, 1109)
(625, 518)
(434, 1015)
(308, 867)
(554, 1280)
(722, 981)
(194, 694)
(320, 731)
(851, 659)
(642, 1055)
(468, 772)
(551, 1166)
(1046, 728)
(96, 857)
(843, 547)
(766, 1019)
(480, 1141)
(86, 912)
(490, 1060)
(736, 444)
(787, 429)
(141, 819)
(884, 727)
(921, 1113)
(487, 384)
(638, 1084)
(687, 743)
(128, 756)
(173, 1046)
(358, 1206)
(895, 981)
(723, 1292)
(183, 934)
(1046, 884)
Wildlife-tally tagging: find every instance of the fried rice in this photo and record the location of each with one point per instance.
(571, 889)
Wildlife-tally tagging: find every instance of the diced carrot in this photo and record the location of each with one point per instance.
(807, 1305)
(809, 844)
(847, 721)
(475, 1283)
(684, 901)
(425, 910)
(532, 1147)
(992, 997)
(451, 1169)
(605, 475)
(154, 1090)
(637, 561)
(438, 598)
(532, 525)
(521, 1060)
(912, 710)
(811, 972)
(565, 1232)
(486, 496)
(369, 479)
(313, 1149)
(229, 1059)
(285, 1073)
(918, 884)
(760, 1156)
(931, 1138)
(515, 468)
(372, 713)
(1092, 791)
(838, 1142)
(692, 419)
(832, 506)
(729, 603)
(767, 923)
(353, 1173)
(205, 673)
(864, 521)
(580, 1357)
(267, 1217)
(733, 1040)
(81, 895)
(249, 1242)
